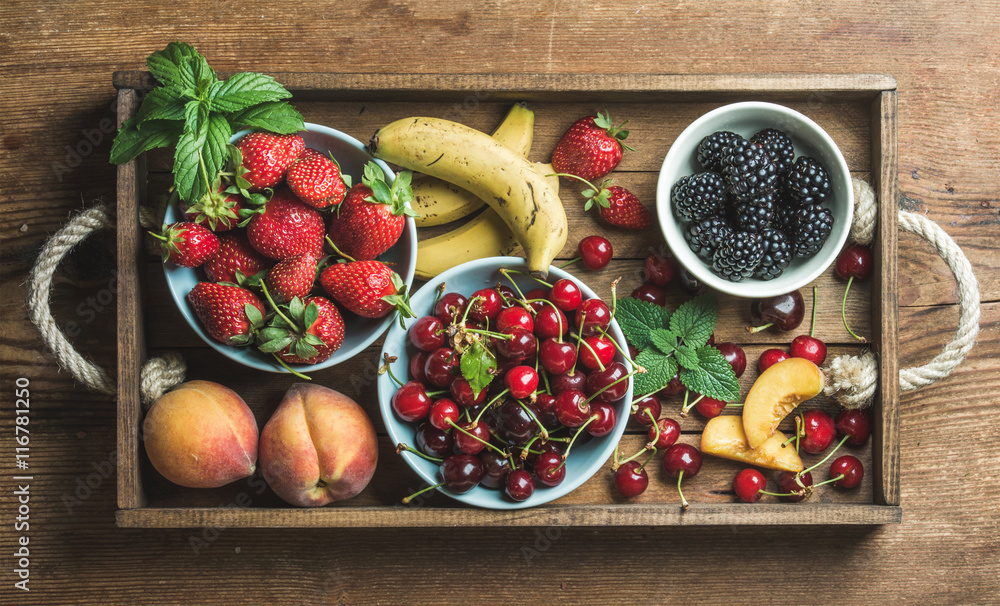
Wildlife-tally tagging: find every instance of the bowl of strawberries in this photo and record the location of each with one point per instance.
(299, 257)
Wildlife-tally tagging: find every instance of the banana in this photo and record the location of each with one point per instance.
(475, 161)
(439, 202)
(485, 235)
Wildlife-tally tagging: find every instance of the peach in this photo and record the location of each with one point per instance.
(318, 447)
(723, 437)
(201, 435)
(775, 393)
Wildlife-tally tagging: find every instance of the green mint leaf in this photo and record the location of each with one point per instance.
(214, 152)
(244, 90)
(477, 366)
(130, 141)
(187, 164)
(638, 319)
(172, 66)
(664, 339)
(695, 320)
(714, 377)
(660, 369)
(275, 116)
(163, 103)
(687, 356)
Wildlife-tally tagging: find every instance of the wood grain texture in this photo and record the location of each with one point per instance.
(56, 62)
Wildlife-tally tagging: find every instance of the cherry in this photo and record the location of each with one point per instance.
(461, 472)
(485, 305)
(443, 413)
(711, 339)
(572, 408)
(566, 294)
(411, 402)
(854, 423)
(461, 393)
(507, 296)
(650, 293)
(680, 461)
(442, 366)
(604, 421)
(496, 468)
(597, 352)
(787, 483)
(537, 293)
(818, 431)
(550, 322)
(855, 261)
(549, 469)
(650, 404)
(747, 484)
(670, 430)
(690, 284)
(520, 346)
(427, 333)
(770, 357)
(710, 407)
(515, 316)
(631, 479)
(575, 380)
(517, 424)
(556, 357)
(417, 363)
(522, 381)
(659, 269)
(850, 468)
(782, 312)
(450, 306)
(433, 441)
(735, 355)
(592, 317)
(595, 251)
(520, 485)
(467, 443)
(612, 380)
(673, 389)
(544, 408)
(809, 348)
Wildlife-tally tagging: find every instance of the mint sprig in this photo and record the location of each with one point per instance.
(677, 344)
(197, 113)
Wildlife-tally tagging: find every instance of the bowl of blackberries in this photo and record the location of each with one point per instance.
(504, 392)
(755, 199)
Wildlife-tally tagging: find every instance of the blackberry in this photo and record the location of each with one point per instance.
(808, 182)
(737, 257)
(748, 170)
(704, 236)
(698, 197)
(753, 215)
(777, 254)
(778, 146)
(711, 148)
(786, 218)
(814, 226)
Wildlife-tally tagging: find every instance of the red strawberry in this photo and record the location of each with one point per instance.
(316, 179)
(368, 288)
(591, 148)
(187, 244)
(317, 332)
(217, 210)
(293, 277)
(625, 210)
(373, 215)
(229, 313)
(267, 156)
(286, 228)
(235, 255)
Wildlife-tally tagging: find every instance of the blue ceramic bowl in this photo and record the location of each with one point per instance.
(585, 458)
(360, 332)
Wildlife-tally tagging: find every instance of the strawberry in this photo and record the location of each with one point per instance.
(235, 258)
(372, 216)
(293, 277)
(368, 288)
(287, 228)
(625, 210)
(267, 156)
(187, 244)
(591, 148)
(315, 178)
(229, 313)
(218, 210)
(304, 332)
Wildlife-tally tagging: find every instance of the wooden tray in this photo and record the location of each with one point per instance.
(859, 112)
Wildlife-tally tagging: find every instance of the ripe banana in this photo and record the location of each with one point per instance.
(439, 202)
(475, 161)
(485, 235)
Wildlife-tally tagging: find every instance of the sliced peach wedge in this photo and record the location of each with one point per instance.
(723, 437)
(775, 393)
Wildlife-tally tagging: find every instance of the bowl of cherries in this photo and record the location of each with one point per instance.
(505, 391)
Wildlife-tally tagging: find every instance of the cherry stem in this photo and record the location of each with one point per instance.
(338, 251)
(614, 342)
(535, 278)
(545, 379)
(289, 368)
(734, 405)
(491, 403)
(610, 385)
(799, 429)
(648, 459)
(506, 273)
(782, 494)
(826, 458)
(812, 328)
(684, 503)
(433, 394)
(843, 311)
(388, 369)
(656, 436)
(594, 353)
(756, 329)
(558, 315)
(541, 428)
(579, 340)
(687, 407)
(641, 398)
(474, 436)
(406, 500)
(527, 448)
(590, 420)
(438, 292)
(468, 306)
(489, 333)
(568, 263)
(403, 447)
(614, 297)
(830, 481)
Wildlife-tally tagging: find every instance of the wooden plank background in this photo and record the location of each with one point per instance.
(56, 62)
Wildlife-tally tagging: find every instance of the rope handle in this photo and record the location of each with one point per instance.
(158, 374)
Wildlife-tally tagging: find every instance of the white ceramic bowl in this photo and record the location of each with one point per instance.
(360, 332)
(745, 119)
(584, 460)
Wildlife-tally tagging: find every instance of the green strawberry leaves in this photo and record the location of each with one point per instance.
(397, 196)
(603, 120)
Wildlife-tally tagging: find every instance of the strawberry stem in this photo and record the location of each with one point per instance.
(289, 368)
(338, 251)
(277, 310)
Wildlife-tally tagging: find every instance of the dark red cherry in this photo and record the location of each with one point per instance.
(809, 348)
(486, 305)
(854, 423)
(556, 357)
(566, 294)
(747, 484)
(849, 467)
(651, 294)
(604, 419)
(517, 424)
(515, 316)
(461, 472)
(550, 322)
(596, 352)
(537, 293)
(770, 357)
(575, 380)
(572, 408)
(735, 356)
(467, 443)
(522, 381)
(427, 333)
(411, 402)
(442, 366)
(673, 389)
(449, 307)
(496, 468)
(595, 252)
(521, 346)
(614, 377)
(781, 313)
(443, 413)
(710, 407)
(788, 484)
(549, 469)
(682, 457)
(854, 261)
(818, 431)
(461, 393)
(670, 430)
(592, 317)
(659, 269)
(544, 408)
(417, 363)
(520, 485)
(647, 410)
(508, 297)
(433, 441)
(631, 479)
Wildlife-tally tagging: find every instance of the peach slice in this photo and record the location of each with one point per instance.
(723, 437)
(775, 393)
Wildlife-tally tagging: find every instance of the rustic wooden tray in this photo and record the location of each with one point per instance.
(859, 112)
